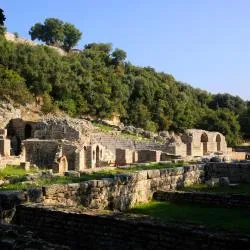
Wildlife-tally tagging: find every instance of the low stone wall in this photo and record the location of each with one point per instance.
(236, 172)
(225, 200)
(18, 237)
(8, 202)
(124, 190)
(85, 231)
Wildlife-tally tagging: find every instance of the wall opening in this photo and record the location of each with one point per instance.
(204, 141)
(97, 157)
(218, 141)
(86, 165)
(189, 148)
(15, 140)
(27, 131)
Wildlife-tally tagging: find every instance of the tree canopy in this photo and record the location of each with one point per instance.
(98, 81)
(2, 19)
(56, 33)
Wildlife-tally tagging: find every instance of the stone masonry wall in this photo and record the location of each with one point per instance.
(85, 231)
(236, 172)
(124, 190)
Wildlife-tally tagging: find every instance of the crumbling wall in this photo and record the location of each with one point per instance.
(125, 190)
(40, 152)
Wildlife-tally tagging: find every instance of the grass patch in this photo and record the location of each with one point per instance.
(230, 219)
(20, 183)
(242, 188)
(103, 127)
(11, 170)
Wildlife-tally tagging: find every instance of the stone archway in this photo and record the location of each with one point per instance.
(27, 131)
(60, 166)
(204, 141)
(218, 142)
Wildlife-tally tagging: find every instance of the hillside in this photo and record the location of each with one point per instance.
(98, 81)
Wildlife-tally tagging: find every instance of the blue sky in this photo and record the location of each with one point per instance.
(205, 43)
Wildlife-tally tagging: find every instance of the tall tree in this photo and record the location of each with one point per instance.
(71, 36)
(2, 19)
(57, 33)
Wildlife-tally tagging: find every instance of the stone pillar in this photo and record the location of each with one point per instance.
(4, 143)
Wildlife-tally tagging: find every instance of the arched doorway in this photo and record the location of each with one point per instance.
(97, 157)
(27, 131)
(189, 148)
(204, 140)
(15, 144)
(218, 142)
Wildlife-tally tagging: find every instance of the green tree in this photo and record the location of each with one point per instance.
(2, 19)
(119, 56)
(224, 121)
(13, 86)
(56, 33)
(71, 36)
(51, 32)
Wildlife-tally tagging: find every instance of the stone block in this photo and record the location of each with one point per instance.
(25, 165)
(72, 173)
(153, 173)
(35, 195)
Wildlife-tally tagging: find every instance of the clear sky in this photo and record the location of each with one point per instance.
(205, 43)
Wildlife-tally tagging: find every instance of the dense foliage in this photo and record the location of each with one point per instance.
(57, 33)
(2, 19)
(98, 81)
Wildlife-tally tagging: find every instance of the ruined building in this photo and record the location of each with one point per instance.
(71, 144)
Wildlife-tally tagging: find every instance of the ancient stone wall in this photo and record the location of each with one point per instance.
(86, 231)
(219, 199)
(124, 190)
(149, 156)
(236, 172)
(40, 152)
(125, 156)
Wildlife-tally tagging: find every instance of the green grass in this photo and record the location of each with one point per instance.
(103, 127)
(109, 173)
(242, 188)
(10, 170)
(230, 219)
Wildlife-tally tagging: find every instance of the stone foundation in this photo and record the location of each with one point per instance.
(117, 231)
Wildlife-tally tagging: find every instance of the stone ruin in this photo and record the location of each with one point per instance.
(72, 144)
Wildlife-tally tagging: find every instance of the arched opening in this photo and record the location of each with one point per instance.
(204, 140)
(64, 165)
(86, 165)
(97, 157)
(189, 148)
(218, 142)
(15, 144)
(27, 131)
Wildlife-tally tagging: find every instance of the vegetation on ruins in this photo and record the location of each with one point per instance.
(17, 181)
(100, 82)
(56, 33)
(231, 219)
